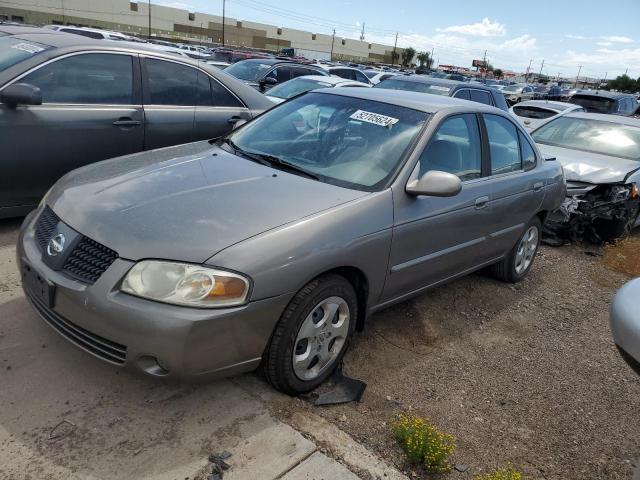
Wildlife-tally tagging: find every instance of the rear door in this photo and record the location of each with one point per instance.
(516, 189)
(217, 110)
(91, 110)
(170, 98)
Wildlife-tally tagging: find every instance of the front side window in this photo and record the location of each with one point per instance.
(480, 97)
(463, 94)
(455, 148)
(361, 77)
(503, 145)
(171, 83)
(92, 78)
(345, 141)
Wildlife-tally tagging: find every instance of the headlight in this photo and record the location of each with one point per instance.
(185, 284)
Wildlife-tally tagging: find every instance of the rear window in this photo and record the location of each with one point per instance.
(533, 112)
(14, 50)
(397, 84)
(593, 104)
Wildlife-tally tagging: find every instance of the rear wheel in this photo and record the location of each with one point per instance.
(518, 263)
(312, 335)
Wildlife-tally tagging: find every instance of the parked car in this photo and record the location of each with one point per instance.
(541, 92)
(377, 76)
(602, 101)
(601, 159)
(68, 100)
(533, 113)
(273, 244)
(220, 65)
(451, 88)
(264, 73)
(625, 323)
(349, 73)
(554, 93)
(518, 93)
(94, 33)
(296, 86)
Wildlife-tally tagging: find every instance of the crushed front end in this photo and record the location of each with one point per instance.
(593, 213)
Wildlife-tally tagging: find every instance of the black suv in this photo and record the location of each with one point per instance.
(264, 73)
(474, 91)
(602, 101)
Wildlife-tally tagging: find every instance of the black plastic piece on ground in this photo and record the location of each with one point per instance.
(341, 389)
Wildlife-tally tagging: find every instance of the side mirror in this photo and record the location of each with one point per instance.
(21, 94)
(435, 184)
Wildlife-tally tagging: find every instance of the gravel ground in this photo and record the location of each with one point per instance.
(522, 373)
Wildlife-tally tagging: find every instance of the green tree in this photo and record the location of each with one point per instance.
(407, 56)
(425, 60)
(497, 73)
(624, 83)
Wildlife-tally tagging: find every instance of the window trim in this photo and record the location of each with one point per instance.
(145, 85)
(137, 79)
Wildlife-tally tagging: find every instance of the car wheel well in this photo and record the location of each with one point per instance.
(542, 215)
(358, 280)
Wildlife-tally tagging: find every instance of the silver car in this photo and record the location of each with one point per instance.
(272, 245)
(625, 323)
(518, 93)
(533, 113)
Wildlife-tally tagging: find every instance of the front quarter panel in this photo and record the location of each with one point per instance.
(356, 234)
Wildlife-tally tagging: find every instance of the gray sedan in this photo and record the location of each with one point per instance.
(68, 100)
(272, 245)
(625, 323)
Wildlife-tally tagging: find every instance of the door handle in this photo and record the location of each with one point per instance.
(538, 186)
(233, 120)
(126, 122)
(481, 202)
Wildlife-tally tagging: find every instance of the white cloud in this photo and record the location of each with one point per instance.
(604, 44)
(484, 28)
(613, 61)
(576, 37)
(617, 39)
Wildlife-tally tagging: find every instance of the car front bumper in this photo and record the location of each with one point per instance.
(625, 322)
(175, 342)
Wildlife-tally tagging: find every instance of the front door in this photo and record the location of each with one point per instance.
(435, 239)
(90, 111)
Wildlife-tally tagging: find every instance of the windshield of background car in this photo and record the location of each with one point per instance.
(512, 89)
(346, 141)
(593, 104)
(296, 86)
(423, 87)
(14, 50)
(606, 138)
(248, 70)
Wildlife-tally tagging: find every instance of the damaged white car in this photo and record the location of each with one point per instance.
(600, 155)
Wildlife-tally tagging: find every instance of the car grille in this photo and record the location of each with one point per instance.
(102, 348)
(86, 262)
(45, 227)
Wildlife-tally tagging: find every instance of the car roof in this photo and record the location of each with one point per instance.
(423, 102)
(325, 78)
(605, 117)
(602, 93)
(273, 61)
(445, 82)
(546, 103)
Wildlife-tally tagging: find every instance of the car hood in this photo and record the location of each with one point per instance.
(185, 203)
(589, 167)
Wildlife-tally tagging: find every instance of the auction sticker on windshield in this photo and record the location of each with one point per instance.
(375, 118)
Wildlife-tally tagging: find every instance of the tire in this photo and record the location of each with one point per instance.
(288, 362)
(514, 267)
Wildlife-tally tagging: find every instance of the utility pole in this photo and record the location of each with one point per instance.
(575, 85)
(149, 35)
(333, 40)
(526, 75)
(540, 74)
(362, 34)
(393, 55)
(484, 63)
(223, 17)
(431, 59)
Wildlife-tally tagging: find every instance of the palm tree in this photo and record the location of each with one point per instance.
(407, 56)
(425, 60)
(497, 73)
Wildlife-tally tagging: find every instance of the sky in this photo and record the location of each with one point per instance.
(603, 37)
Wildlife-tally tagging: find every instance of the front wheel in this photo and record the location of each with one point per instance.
(312, 335)
(517, 264)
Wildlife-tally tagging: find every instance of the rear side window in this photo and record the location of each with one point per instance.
(503, 145)
(171, 83)
(480, 97)
(455, 148)
(464, 94)
(361, 77)
(344, 73)
(526, 152)
(212, 94)
(92, 78)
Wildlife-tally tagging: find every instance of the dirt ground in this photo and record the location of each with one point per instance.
(526, 374)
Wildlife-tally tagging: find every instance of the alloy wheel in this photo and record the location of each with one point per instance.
(526, 250)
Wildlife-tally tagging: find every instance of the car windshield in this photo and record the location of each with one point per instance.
(512, 88)
(345, 141)
(597, 136)
(248, 69)
(423, 87)
(14, 50)
(296, 86)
